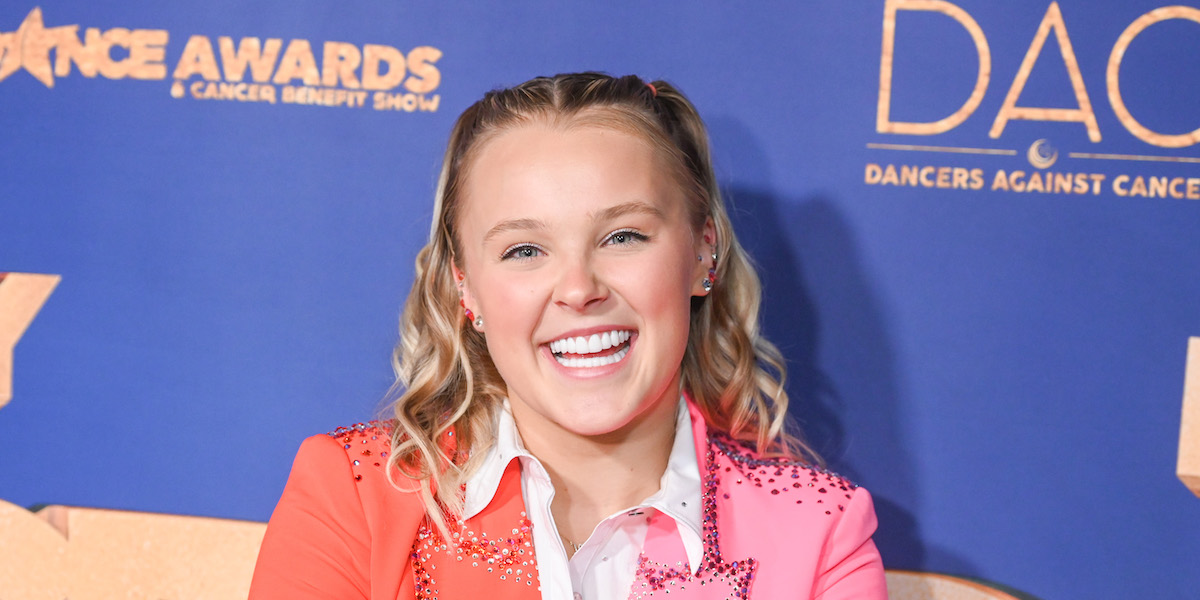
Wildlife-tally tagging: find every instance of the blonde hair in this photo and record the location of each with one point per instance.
(449, 389)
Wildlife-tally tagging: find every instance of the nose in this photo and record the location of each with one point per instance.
(579, 286)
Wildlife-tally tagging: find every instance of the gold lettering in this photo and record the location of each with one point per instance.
(889, 176)
(1158, 187)
(1084, 114)
(927, 172)
(1097, 179)
(429, 103)
(424, 76)
(874, 174)
(1176, 183)
(298, 63)
(943, 177)
(1017, 181)
(375, 55)
(883, 122)
(1138, 188)
(85, 55)
(147, 50)
(117, 36)
(1081, 184)
(1000, 181)
(908, 175)
(1119, 185)
(1193, 188)
(1035, 183)
(340, 62)
(960, 178)
(1114, 85)
(1062, 183)
(250, 53)
(976, 179)
(197, 58)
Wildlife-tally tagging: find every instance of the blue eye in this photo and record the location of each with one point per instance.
(624, 237)
(521, 252)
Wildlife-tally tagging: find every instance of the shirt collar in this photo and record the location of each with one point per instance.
(481, 486)
(679, 489)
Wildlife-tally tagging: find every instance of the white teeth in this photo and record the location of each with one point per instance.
(593, 361)
(591, 344)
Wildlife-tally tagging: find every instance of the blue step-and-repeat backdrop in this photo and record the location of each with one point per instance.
(978, 224)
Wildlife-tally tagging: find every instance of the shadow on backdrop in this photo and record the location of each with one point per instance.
(822, 311)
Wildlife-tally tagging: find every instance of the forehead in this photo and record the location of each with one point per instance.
(546, 167)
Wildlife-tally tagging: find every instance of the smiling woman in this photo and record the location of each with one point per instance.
(585, 407)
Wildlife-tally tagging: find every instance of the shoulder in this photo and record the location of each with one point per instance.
(365, 448)
(788, 512)
(351, 461)
(338, 516)
(736, 469)
(344, 473)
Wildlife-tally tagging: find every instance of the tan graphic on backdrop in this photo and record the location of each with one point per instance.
(1084, 114)
(1114, 70)
(94, 554)
(21, 297)
(346, 75)
(1041, 155)
(1189, 428)
(1051, 21)
(85, 553)
(883, 122)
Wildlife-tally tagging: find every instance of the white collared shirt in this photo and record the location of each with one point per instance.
(604, 566)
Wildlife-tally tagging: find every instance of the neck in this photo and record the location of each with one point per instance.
(596, 476)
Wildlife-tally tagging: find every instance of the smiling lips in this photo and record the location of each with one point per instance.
(593, 350)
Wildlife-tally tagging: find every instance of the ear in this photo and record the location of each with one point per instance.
(456, 273)
(706, 243)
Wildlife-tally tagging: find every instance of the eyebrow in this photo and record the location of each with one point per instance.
(627, 208)
(608, 214)
(514, 225)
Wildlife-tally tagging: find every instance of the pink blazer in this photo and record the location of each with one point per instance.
(772, 529)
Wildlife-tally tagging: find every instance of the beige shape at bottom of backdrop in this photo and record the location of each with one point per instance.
(1188, 468)
(92, 554)
(911, 585)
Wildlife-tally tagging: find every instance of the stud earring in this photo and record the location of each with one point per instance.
(478, 322)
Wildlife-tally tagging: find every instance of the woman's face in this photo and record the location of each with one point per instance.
(578, 253)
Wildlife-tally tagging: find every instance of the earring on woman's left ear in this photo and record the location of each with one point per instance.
(471, 317)
(711, 280)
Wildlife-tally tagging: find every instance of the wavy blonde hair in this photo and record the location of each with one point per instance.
(448, 390)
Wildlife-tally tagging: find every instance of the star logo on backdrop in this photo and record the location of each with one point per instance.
(29, 47)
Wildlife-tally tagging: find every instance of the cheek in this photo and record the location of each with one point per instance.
(661, 286)
(507, 303)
